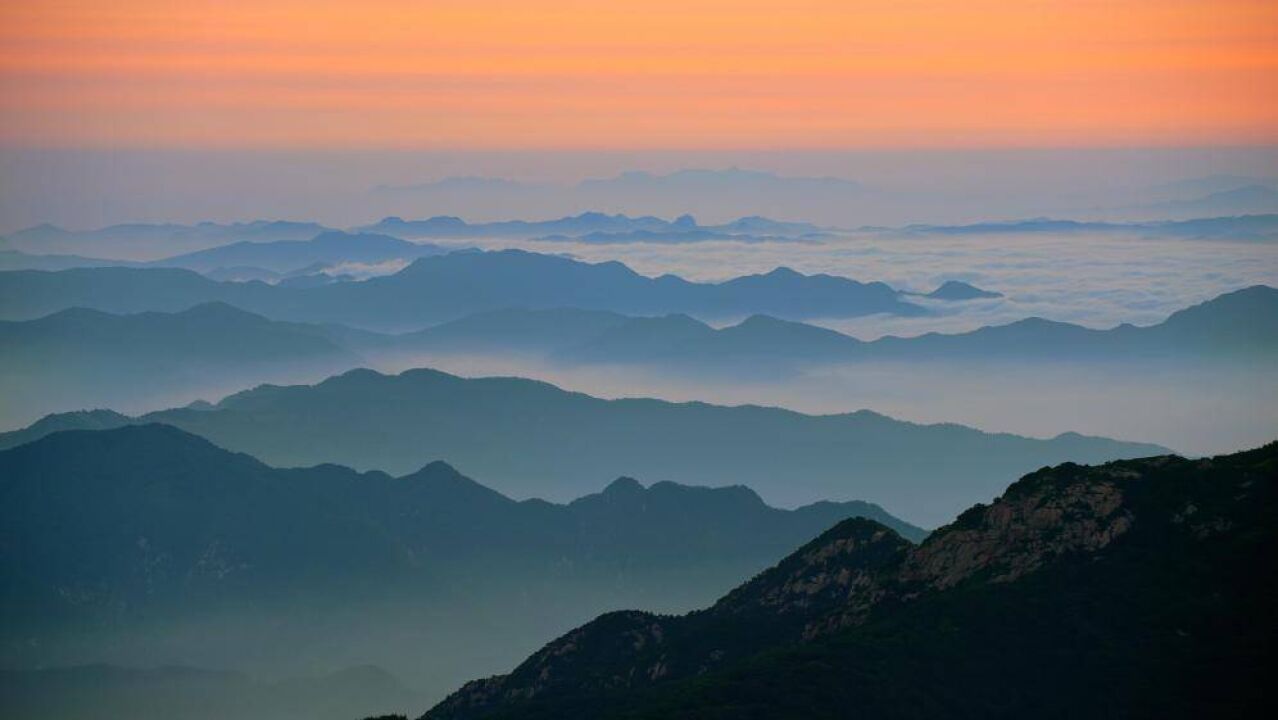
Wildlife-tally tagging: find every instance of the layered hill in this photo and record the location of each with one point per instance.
(148, 241)
(528, 438)
(446, 287)
(326, 249)
(81, 358)
(1131, 589)
(132, 545)
(1240, 325)
(595, 227)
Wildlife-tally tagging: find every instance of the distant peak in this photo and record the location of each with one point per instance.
(760, 320)
(623, 486)
(438, 469)
(959, 290)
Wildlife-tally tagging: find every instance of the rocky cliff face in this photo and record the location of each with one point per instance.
(860, 572)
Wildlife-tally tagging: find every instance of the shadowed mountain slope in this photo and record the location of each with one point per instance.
(1132, 589)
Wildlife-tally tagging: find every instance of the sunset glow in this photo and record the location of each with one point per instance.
(484, 74)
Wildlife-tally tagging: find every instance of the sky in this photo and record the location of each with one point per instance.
(513, 75)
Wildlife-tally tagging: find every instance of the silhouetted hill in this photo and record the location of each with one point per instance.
(530, 438)
(446, 287)
(134, 543)
(284, 256)
(1132, 589)
(85, 358)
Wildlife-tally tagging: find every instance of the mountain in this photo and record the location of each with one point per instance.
(1195, 187)
(1242, 324)
(958, 290)
(1244, 200)
(725, 193)
(529, 438)
(1255, 227)
(106, 692)
(18, 260)
(759, 344)
(446, 287)
(142, 241)
(719, 193)
(1132, 589)
(1239, 325)
(145, 544)
(506, 331)
(82, 358)
(1213, 196)
(85, 358)
(672, 237)
(594, 227)
(445, 226)
(284, 256)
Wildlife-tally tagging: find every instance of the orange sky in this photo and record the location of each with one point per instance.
(621, 74)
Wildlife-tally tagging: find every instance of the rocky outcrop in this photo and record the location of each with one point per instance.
(859, 570)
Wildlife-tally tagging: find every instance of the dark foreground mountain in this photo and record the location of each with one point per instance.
(446, 287)
(146, 545)
(1133, 589)
(105, 692)
(532, 439)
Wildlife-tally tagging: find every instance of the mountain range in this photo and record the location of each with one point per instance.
(592, 227)
(147, 241)
(528, 438)
(1239, 324)
(129, 545)
(445, 287)
(79, 358)
(1259, 227)
(326, 249)
(721, 193)
(1132, 589)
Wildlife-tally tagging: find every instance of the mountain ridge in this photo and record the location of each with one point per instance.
(860, 615)
(528, 437)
